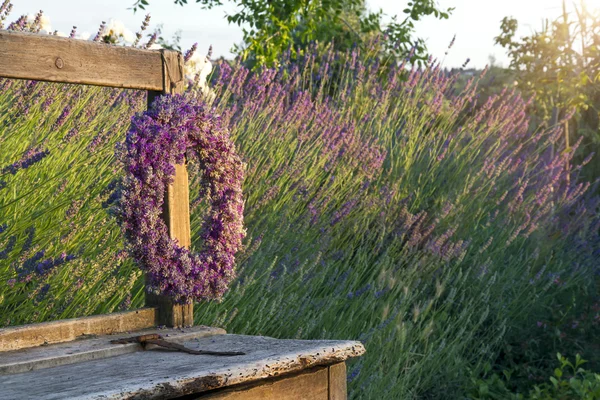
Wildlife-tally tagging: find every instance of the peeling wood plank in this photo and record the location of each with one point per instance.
(337, 382)
(20, 337)
(310, 385)
(163, 374)
(24, 360)
(55, 59)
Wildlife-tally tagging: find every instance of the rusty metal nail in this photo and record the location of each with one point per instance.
(59, 63)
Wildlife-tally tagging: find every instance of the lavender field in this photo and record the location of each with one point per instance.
(382, 204)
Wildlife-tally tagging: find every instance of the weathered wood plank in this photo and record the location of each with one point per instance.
(177, 201)
(176, 211)
(25, 336)
(56, 59)
(17, 361)
(310, 385)
(178, 204)
(173, 74)
(163, 374)
(170, 314)
(337, 382)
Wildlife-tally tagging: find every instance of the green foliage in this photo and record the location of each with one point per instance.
(569, 324)
(568, 382)
(549, 65)
(273, 27)
(400, 31)
(173, 44)
(560, 66)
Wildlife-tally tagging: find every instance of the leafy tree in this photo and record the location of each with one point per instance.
(560, 66)
(271, 27)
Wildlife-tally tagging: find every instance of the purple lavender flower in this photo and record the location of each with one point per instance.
(42, 292)
(138, 35)
(47, 265)
(126, 303)
(10, 245)
(343, 211)
(69, 136)
(188, 54)
(152, 40)
(99, 139)
(158, 139)
(29, 240)
(47, 103)
(98, 36)
(30, 157)
(62, 117)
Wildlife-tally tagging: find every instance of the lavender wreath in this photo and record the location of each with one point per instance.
(176, 126)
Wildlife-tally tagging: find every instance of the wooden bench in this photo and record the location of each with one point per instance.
(92, 366)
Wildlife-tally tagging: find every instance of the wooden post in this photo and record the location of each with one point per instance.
(337, 382)
(176, 211)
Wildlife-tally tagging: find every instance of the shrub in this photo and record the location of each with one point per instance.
(568, 382)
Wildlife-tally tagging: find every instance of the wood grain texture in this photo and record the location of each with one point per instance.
(164, 374)
(176, 209)
(178, 205)
(20, 337)
(170, 314)
(173, 74)
(56, 59)
(310, 385)
(177, 201)
(92, 348)
(337, 382)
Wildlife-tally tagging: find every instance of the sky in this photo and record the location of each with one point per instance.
(474, 22)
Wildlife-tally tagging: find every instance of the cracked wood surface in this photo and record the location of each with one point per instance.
(164, 374)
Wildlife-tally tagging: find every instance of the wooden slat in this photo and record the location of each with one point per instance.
(20, 337)
(56, 59)
(337, 382)
(96, 348)
(311, 385)
(176, 211)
